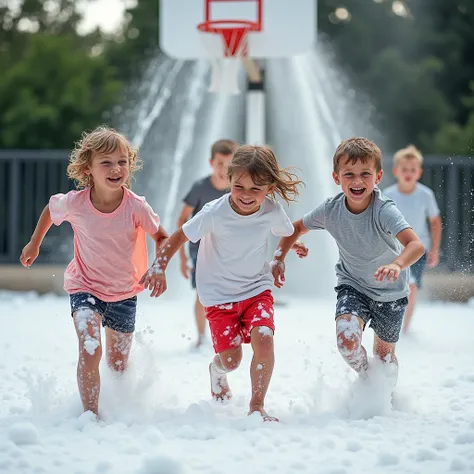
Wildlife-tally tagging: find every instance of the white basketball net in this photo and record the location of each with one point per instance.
(224, 70)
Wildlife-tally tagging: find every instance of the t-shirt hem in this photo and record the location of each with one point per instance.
(306, 223)
(185, 229)
(103, 297)
(236, 299)
(401, 229)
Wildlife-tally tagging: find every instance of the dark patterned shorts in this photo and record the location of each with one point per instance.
(118, 315)
(385, 318)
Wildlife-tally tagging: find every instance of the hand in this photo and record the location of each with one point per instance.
(390, 271)
(433, 258)
(29, 254)
(278, 272)
(184, 268)
(155, 280)
(300, 249)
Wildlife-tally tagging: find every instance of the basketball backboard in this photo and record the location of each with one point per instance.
(287, 27)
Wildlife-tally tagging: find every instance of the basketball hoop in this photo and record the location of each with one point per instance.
(227, 43)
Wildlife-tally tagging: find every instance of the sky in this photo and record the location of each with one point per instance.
(104, 13)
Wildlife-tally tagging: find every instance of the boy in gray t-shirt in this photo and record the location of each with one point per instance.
(376, 247)
(418, 205)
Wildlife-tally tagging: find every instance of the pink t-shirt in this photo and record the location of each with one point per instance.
(110, 254)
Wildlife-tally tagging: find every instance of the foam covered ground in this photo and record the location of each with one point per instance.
(159, 418)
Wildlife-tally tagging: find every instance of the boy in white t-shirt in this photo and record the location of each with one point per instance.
(418, 205)
(234, 281)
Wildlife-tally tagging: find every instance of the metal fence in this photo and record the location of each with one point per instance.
(452, 180)
(29, 178)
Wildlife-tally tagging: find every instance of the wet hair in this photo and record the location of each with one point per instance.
(223, 147)
(411, 152)
(357, 149)
(261, 164)
(102, 140)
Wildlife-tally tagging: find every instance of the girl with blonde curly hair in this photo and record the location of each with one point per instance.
(110, 223)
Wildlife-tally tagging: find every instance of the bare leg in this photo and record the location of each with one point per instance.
(200, 320)
(87, 324)
(224, 362)
(118, 346)
(349, 329)
(261, 369)
(385, 351)
(410, 308)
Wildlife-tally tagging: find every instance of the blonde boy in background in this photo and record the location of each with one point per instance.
(418, 204)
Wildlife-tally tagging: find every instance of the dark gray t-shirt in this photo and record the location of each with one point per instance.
(200, 194)
(366, 241)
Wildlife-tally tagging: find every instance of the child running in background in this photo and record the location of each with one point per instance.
(203, 191)
(418, 205)
(372, 270)
(234, 281)
(109, 223)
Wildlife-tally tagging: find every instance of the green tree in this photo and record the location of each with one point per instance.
(54, 83)
(53, 93)
(454, 138)
(137, 41)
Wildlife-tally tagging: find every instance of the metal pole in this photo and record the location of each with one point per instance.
(14, 211)
(255, 105)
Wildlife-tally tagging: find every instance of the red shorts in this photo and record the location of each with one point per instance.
(232, 323)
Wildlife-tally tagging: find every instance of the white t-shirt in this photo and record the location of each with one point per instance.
(231, 263)
(417, 207)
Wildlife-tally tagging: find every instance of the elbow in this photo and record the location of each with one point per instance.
(299, 227)
(420, 247)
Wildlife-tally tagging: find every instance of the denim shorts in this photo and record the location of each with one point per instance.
(417, 270)
(385, 317)
(118, 315)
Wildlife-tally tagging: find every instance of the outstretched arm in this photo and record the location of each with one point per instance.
(284, 246)
(31, 250)
(433, 255)
(161, 237)
(154, 279)
(182, 219)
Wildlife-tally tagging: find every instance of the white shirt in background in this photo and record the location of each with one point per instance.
(417, 208)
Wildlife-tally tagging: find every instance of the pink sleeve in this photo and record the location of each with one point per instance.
(147, 219)
(59, 208)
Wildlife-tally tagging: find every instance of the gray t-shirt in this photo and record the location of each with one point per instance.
(366, 241)
(417, 207)
(200, 194)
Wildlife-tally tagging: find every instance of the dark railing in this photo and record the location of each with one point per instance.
(452, 181)
(29, 178)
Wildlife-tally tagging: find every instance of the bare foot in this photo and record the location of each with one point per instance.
(220, 389)
(263, 414)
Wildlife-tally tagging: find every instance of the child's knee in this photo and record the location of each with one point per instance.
(262, 341)
(349, 334)
(231, 360)
(88, 331)
(90, 353)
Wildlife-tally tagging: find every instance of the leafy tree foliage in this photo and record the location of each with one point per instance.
(53, 83)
